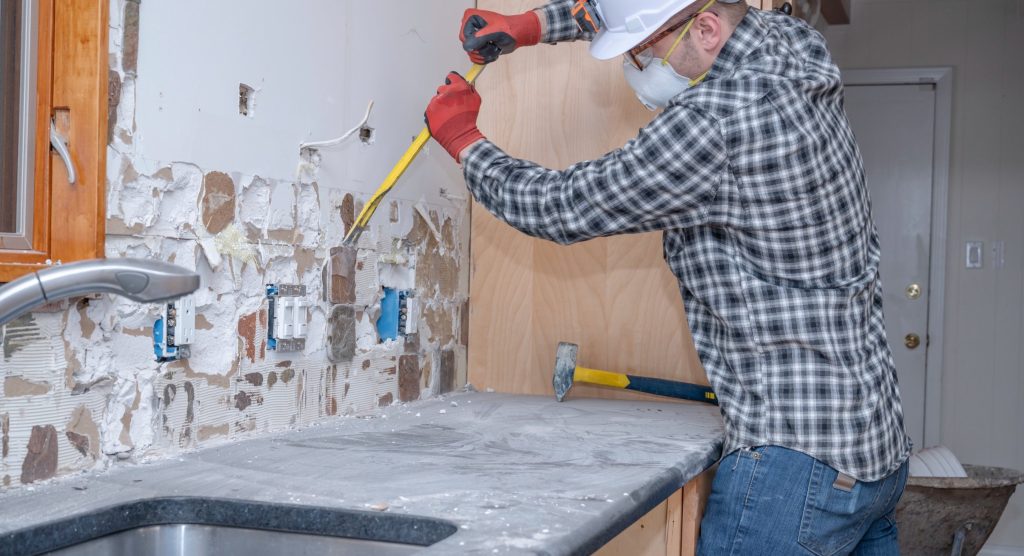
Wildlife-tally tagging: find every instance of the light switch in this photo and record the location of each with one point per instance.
(975, 254)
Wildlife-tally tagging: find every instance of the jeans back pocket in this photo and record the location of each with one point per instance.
(834, 516)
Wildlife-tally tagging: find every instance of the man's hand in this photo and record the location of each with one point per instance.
(451, 115)
(486, 35)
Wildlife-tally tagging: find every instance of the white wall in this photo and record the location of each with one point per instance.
(983, 378)
(315, 64)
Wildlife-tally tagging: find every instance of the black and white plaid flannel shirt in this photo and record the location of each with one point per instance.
(757, 182)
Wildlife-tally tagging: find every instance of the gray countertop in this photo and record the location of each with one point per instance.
(515, 474)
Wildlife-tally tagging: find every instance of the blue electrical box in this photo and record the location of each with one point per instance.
(387, 323)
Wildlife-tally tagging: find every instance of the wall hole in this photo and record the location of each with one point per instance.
(246, 98)
(367, 135)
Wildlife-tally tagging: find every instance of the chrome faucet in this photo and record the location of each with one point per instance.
(137, 279)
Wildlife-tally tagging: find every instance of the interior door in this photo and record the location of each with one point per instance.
(895, 128)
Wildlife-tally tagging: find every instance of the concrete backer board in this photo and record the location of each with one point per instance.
(517, 474)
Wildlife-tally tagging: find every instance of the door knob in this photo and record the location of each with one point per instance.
(912, 341)
(913, 291)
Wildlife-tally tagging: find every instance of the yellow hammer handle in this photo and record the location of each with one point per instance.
(403, 164)
(603, 378)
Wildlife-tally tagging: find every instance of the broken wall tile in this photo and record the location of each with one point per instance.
(113, 101)
(5, 431)
(342, 275)
(247, 332)
(207, 432)
(130, 39)
(446, 380)
(409, 378)
(16, 386)
(341, 338)
(83, 433)
(218, 201)
(41, 461)
(348, 212)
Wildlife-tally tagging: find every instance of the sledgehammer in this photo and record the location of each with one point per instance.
(567, 373)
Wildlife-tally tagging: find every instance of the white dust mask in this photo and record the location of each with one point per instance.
(657, 84)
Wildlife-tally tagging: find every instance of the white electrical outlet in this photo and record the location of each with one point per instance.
(412, 315)
(175, 330)
(284, 322)
(185, 320)
(288, 313)
(300, 318)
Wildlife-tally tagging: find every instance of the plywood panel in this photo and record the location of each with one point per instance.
(695, 498)
(615, 297)
(657, 533)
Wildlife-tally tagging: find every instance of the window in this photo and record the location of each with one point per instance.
(17, 107)
(53, 88)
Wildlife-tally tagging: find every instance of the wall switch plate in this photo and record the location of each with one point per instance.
(975, 254)
(175, 330)
(287, 317)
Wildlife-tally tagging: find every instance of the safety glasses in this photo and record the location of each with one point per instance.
(636, 56)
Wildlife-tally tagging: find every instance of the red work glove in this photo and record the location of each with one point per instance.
(451, 115)
(487, 35)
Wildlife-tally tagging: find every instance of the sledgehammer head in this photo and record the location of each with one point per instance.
(565, 369)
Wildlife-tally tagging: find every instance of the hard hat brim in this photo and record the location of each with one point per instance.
(607, 45)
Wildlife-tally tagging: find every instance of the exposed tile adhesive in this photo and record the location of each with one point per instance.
(80, 387)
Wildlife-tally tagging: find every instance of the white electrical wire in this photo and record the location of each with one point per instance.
(339, 140)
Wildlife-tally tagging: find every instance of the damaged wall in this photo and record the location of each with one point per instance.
(209, 102)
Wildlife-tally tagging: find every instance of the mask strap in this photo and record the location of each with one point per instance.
(686, 29)
(694, 82)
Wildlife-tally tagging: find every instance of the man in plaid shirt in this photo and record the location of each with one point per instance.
(755, 178)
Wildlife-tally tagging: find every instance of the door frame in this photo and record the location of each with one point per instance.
(942, 78)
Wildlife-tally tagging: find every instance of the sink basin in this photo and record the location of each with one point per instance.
(202, 540)
(201, 526)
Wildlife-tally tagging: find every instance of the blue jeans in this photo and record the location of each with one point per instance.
(772, 500)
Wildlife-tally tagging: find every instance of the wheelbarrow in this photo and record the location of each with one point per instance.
(946, 515)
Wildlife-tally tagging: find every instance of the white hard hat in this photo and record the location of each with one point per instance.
(626, 23)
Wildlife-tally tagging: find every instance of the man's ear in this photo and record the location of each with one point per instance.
(707, 30)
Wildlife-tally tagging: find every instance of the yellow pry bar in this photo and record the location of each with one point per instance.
(363, 220)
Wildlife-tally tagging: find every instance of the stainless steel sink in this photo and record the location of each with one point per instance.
(213, 526)
(203, 540)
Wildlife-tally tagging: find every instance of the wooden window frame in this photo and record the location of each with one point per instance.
(71, 89)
